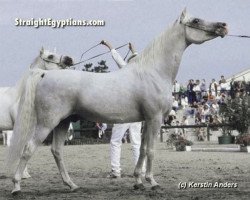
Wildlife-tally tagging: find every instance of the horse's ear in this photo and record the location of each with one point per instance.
(183, 15)
(42, 51)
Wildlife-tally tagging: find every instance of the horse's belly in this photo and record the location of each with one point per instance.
(110, 115)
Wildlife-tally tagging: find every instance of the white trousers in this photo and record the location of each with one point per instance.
(6, 137)
(118, 132)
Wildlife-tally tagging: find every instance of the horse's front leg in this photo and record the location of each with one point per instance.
(59, 136)
(141, 161)
(153, 128)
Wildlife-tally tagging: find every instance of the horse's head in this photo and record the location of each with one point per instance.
(198, 30)
(50, 60)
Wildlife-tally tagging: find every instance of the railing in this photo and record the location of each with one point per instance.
(208, 126)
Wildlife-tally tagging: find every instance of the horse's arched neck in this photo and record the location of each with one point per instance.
(165, 52)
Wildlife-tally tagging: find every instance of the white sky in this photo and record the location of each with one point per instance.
(137, 21)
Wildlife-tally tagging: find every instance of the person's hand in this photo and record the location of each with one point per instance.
(130, 46)
(107, 44)
(103, 42)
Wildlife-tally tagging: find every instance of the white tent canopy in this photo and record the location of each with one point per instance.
(241, 76)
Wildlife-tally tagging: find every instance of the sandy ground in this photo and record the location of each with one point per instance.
(89, 164)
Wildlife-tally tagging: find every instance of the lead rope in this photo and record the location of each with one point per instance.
(96, 55)
(242, 36)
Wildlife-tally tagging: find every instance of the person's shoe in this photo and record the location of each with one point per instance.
(114, 174)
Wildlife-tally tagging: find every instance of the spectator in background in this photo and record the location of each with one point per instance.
(184, 122)
(223, 85)
(200, 131)
(101, 129)
(190, 92)
(232, 87)
(213, 87)
(206, 111)
(176, 90)
(222, 79)
(197, 90)
(210, 98)
(184, 102)
(222, 100)
(175, 105)
(203, 88)
(170, 118)
(215, 107)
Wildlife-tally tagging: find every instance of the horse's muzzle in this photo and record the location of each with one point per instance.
(221, 29)
(68, 61)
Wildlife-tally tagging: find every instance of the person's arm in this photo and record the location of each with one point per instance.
(116, 56)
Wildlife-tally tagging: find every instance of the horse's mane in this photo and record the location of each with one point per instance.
(156, 47)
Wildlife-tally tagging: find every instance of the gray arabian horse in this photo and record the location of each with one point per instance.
(10, 96)
(139, 92)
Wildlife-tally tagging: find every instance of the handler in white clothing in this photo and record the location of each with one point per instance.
(119, 130)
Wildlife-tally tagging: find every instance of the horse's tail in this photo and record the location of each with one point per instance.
(25, 120)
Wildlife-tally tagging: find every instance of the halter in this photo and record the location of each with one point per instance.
(198, 28)
(51, 61)
(240, 36)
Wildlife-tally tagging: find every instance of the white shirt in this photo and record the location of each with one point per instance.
(118, 59)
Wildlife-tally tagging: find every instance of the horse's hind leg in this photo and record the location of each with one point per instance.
(59, 136)
(28, 151)
(25, 173)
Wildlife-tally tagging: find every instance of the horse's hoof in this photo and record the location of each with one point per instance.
(26, 176)
(74, 189)
(16, 192)
(139, 186)
(156, 187)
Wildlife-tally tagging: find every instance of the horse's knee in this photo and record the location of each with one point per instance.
(150, 154)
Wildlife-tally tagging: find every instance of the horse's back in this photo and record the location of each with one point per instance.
(92, 95)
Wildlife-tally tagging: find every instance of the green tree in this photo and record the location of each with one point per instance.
(87, 67)
(100, 68)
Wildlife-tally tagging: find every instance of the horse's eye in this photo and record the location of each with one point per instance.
(196, 21)
(50, 57)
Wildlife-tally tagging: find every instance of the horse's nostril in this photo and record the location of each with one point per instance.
(224, 24)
